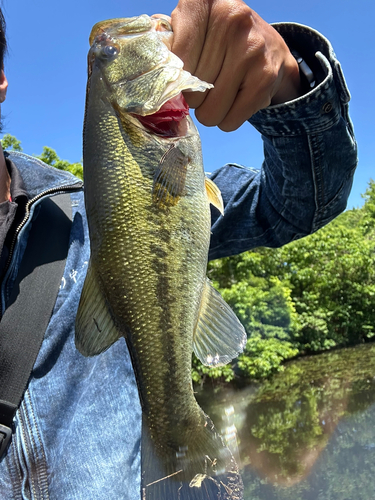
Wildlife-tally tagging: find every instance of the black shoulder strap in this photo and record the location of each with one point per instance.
(33, 296)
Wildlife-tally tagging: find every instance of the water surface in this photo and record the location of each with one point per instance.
(306, 434)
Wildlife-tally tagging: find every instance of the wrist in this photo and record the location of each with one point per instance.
(291, 85)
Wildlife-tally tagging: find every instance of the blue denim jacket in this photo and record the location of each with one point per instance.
(78, 428)
(310, 158)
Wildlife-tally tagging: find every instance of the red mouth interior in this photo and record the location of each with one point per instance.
(170, 120)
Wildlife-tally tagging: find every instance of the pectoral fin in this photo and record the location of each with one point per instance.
(214, 195)
(95, 330)
(170, 177)
(219, 336)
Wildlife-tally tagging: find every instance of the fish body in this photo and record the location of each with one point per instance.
(147, 203)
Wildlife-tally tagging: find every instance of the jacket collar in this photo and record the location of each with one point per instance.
(39, 177)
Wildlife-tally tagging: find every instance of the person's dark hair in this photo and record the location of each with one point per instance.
(3, 40)
(3, 49)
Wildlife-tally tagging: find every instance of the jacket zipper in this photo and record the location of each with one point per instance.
(57, 190)
(39, 475)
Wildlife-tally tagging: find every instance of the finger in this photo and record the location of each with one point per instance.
(242, 88)
(248, 101)
(208, 68)
(231, 50)
(219, 100)
(189, 22)
(224, 60)
(195, 99)
(209, 65)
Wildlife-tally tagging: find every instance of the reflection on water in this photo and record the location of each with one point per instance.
(308, 433)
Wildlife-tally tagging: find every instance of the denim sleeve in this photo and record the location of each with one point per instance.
(310, 155)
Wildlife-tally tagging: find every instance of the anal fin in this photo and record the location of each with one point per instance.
(95, 330)
(219, 336)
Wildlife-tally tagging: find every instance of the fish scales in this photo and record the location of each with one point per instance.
(147, 202)
(156, 268)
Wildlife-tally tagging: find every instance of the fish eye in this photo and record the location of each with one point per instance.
(109, 51)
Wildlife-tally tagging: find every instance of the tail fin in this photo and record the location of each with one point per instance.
(203, 470)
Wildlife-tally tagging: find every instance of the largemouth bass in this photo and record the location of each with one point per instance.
(147, 203)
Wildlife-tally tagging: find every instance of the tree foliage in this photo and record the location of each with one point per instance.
(48, 156)
(11, 143)
(368, 216)
(312, 295)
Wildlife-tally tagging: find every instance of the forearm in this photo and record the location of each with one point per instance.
(310, 157)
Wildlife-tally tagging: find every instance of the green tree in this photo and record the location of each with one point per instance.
(48, 156)
(332, 278)
(10, 142)
(264, 305)
(309, 296)
(368, 220)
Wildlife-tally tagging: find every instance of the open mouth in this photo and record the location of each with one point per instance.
(170, 120)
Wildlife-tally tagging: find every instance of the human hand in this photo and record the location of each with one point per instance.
(226, 43)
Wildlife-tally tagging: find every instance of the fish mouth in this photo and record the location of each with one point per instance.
(144, 79)
(170, 120)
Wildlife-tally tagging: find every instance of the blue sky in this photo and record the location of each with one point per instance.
(46, 68)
